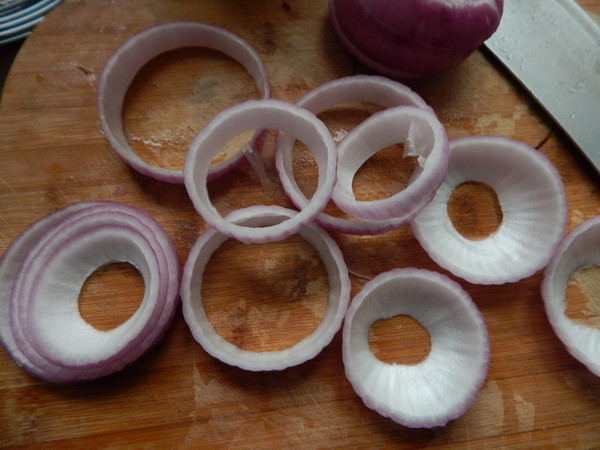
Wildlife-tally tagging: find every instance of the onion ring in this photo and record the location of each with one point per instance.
(533, 201)
(46, 334)
(121, 68)
(579, 248)
(307, 348)
(423, 135)
(366, 88)
(444, 385)
(250, 115)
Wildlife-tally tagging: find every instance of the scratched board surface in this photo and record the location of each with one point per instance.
(263, 297)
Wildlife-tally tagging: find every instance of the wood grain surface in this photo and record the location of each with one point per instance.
(263, 297)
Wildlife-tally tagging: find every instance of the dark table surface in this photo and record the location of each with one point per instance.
(7, 55)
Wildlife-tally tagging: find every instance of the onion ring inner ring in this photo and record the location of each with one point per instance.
(121, 68)
(305, 349)
(251, 115)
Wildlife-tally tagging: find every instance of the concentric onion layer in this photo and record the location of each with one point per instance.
(41, 276)
(534, 212)
(260, 115)
(129, 58)
(359, 88)
(423, 136)
(413, 38)
(580, 248)
(308, 347)
(444, 385)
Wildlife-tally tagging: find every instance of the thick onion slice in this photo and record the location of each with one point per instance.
(422, 134)
(413, 38)
(444, 385)
(257, 115)
(580, 248)
(534, 212)
(129, 58)
(359, 88)
(43, 271)
(307, 348)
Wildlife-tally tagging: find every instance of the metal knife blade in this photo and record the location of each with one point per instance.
(553, 48)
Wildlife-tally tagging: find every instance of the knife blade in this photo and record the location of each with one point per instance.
(552, 47)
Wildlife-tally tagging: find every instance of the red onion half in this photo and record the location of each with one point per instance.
(443, 386)
(423, 136)
(531, 196)
(260, 115)
(359, 88)
(43, 271)
(580, 248)
(126, 62)
(307, 348)
(413, 38)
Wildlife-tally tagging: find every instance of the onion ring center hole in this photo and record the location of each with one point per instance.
(111, 295)
(582, 296)
(474, 210)
(270, 297)
(399, 340)
(254, 181)
(174, 95)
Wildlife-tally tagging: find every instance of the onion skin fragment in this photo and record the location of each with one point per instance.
(579, 248)
(358, 88)
(531, 196)
(444, 385)
(122, 66)
(45, 333)
(413, 38)
(308, 347)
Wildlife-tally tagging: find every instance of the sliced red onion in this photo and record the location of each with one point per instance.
(413, 38)
(307, 348)
(257, 115)
(534, 212)
(443, 386)
(126, 62)
(46, 334)
(423, 135)
(359, 88)
(579, 248)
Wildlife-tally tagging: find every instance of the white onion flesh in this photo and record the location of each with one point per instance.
(534, 212)
(128, 60)
(260, 115)
(413, 38)
(308, 347)
(580, 248)
(43, 271)
(422, 134)
(444, 385)
(359, 88)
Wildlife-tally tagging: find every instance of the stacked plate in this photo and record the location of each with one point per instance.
(19, 17)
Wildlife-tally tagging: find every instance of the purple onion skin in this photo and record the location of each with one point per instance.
(413, 38)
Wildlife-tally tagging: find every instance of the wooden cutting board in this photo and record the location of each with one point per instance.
(52, 154)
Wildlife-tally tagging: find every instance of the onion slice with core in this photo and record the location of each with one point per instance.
(422, 134)
(444, 385)
(581, 247)
(121, 68)
(260, 115)
(308, 347)
(413, 38)
(534, 212)
(359, 88)
(49, 263)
